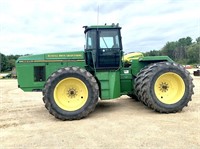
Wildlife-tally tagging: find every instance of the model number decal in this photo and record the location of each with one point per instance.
(63, 55)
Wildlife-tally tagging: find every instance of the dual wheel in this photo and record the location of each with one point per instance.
(164, 87)
(71, 93)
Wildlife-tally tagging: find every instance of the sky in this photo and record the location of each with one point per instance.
(47, 26)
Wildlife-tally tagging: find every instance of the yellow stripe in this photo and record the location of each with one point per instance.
(47, 61)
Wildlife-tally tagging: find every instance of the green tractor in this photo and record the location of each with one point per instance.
(73, 82)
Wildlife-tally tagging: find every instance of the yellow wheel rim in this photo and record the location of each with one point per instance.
(169, 88)
(71, 94)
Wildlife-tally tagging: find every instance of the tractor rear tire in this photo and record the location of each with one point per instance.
(71, 93)
(164, 87)
(138, 86)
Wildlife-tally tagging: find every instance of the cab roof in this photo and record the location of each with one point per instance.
(112, 26)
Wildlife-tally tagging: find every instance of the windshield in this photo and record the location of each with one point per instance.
(109, 39)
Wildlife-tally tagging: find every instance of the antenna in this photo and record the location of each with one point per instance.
(98, 14)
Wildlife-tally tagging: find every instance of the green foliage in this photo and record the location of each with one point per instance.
(153, 53)
(3, 62)
(185, 41)
(198, 40)
(182, 51)
(7, 62)
(193, 53)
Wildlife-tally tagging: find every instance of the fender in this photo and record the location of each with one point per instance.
(138, 64)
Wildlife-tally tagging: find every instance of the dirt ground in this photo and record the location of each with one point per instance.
(115, 124)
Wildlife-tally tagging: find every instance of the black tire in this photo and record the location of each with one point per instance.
(133, 96)
(147, 89)
(139, 78)
(79, 74)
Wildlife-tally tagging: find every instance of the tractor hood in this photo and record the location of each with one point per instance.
(77, 55)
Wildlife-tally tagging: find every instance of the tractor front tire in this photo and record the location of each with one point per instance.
(133, 96)
(71, 93)
(164, 87)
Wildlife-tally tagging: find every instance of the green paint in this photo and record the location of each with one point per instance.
(25, 76)
(126, 81)
(102, 26)
(137, 65)
(27, 65)
(110, 84)
(155, 58)
(56, 57)
(79, 55)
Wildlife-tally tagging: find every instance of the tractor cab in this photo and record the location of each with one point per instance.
(103, 49)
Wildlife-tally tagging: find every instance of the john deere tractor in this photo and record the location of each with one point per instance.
(73, 82)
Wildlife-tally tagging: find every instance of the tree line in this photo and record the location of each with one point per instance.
(183, 51)
(7, 62)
